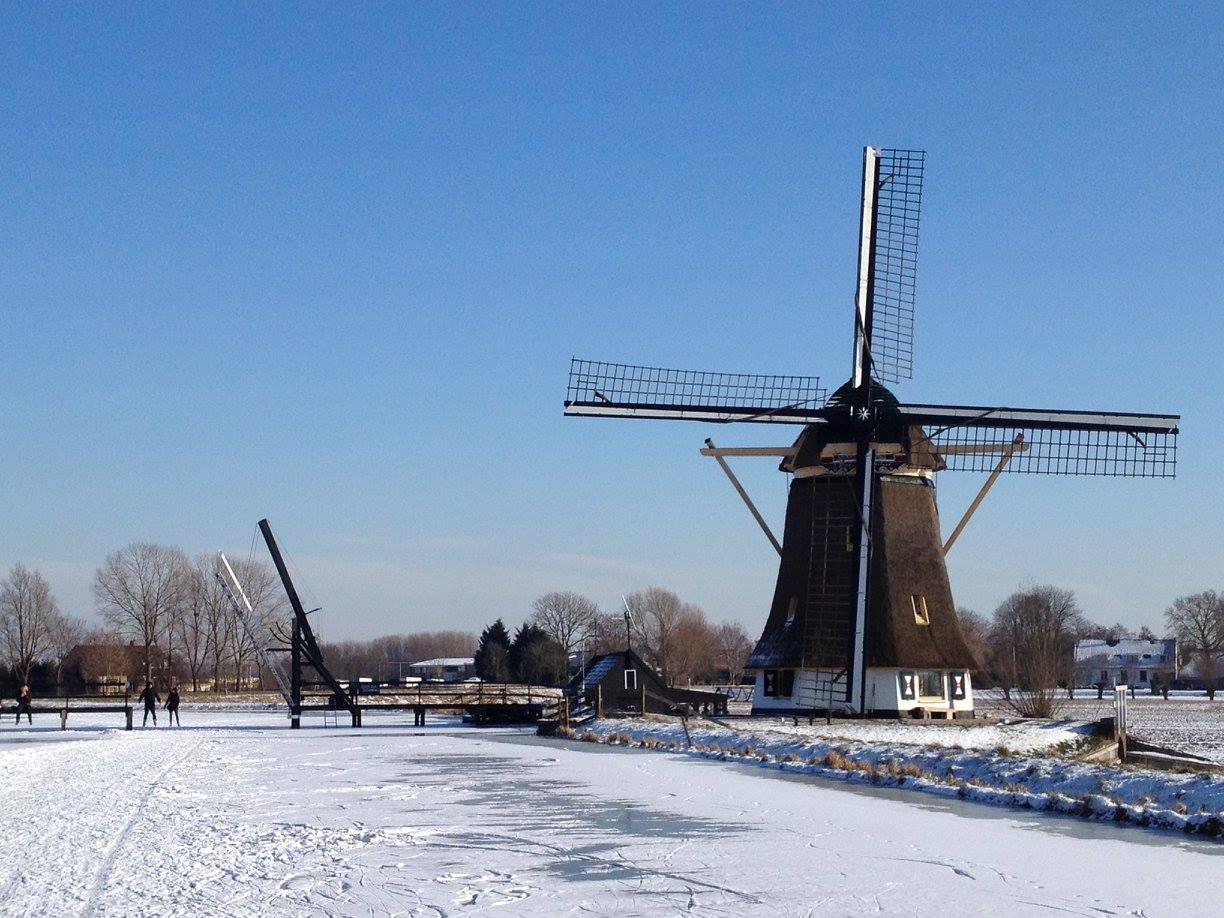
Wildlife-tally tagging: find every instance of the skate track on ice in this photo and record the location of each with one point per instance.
(235, 814)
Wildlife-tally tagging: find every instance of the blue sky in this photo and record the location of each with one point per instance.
(328, 265)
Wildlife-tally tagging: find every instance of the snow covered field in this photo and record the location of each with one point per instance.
(1187, 722)
(234, 814)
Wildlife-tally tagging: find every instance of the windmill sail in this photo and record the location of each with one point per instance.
(599, 389)
(1056, 442)
(888, 263)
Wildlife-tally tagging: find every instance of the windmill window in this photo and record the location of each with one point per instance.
(790, 609)
(631, 680)
(778, 683)
(921, 616)
(930, 684)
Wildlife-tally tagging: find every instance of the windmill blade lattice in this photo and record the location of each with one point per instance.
(898, 207)
(601, 389)
(1075, 443)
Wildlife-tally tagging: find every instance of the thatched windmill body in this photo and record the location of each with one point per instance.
(862, 618)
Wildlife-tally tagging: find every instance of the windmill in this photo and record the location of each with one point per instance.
(862, 618)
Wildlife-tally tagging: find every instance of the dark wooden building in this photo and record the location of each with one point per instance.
(622, 681)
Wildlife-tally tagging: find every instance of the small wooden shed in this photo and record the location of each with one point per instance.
(622, 681)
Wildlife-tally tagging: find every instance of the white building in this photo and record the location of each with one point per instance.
(1129, 661)
(444, 669)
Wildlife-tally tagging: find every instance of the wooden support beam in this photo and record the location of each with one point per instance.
(712, 450)
(1017, 444)
(782, 452)
(982, 449)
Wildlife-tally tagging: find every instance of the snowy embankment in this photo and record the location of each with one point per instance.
(982, 764)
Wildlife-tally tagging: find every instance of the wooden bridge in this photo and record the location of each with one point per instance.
(481, 702)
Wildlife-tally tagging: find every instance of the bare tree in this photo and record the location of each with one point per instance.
(204, 605)
(975, 628)
(694, 653)
(669, 633)
(139, 589)
(65, 633)
(1198, 623)
(607, 633)
(734, 646)
(27, 615)
(1034, 637)
(568, 618)
(219, 623)
(1110, 633)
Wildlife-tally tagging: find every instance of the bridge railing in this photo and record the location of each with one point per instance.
(447, 694)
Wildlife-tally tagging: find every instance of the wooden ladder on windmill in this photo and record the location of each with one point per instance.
(820, 691)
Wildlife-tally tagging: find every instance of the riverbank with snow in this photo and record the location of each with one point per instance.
(1027, 766)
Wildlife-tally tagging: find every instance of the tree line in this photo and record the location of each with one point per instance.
(1027, 647)
(165, 616)
(673, 636)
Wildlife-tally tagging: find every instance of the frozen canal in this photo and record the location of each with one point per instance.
(235, 814)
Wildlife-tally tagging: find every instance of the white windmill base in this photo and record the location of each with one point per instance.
(890, 692)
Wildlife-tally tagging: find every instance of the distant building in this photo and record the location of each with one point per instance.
(621, 681)
(444, 669)
(109, 669)
(1129, 661)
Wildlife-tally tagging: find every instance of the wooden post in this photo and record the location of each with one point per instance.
(642, 687)
(295, 676)
(599, 701)
(1120, 725)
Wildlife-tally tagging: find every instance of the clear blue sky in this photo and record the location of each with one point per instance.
(328, 265)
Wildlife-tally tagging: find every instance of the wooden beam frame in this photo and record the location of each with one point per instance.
(718, 454)
(1017, 445)
(782, 452)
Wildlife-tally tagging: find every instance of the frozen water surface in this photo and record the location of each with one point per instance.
(235, 814)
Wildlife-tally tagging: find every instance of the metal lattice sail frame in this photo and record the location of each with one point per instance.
(895, 262)
(598, 388)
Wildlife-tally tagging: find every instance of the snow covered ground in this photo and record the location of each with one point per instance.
(947, 762)
(234, 814)
(1184, 721)
(1027, 737)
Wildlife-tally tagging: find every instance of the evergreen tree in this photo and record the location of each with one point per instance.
(493, 653)
(537, 658)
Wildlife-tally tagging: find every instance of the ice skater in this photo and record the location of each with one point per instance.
(172, 706)
(24, 701)
(150, 698)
